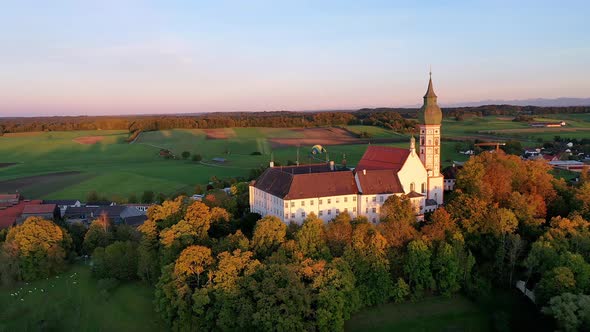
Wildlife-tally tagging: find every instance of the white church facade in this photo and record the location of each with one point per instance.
(293, 192)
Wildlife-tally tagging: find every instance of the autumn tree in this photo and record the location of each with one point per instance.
(148, 267)
(339, 234)
(397, 221)
(269, 233)
(39, 247)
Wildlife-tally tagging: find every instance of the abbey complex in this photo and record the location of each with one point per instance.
(293, 192)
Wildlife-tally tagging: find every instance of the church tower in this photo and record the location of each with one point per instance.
(430, 117)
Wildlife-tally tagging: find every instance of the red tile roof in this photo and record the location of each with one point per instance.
(383, 181)
(288, 186)
(382, 157)
(8, 216)
(9, 197)
(39, 209)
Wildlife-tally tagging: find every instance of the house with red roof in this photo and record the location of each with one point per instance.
(45, 211)
(293, 192)
(10, 215)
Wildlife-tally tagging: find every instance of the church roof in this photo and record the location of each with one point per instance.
(281, 183)
(383, 157)
(430, 113)
(380, 181)
(450, 172)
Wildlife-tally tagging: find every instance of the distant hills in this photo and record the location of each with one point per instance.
(541, 102)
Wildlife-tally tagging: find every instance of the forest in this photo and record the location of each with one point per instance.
(397, 119)
(214, 266)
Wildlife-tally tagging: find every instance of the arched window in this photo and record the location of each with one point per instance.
(436, 141)
(423, 187)
(412, 186)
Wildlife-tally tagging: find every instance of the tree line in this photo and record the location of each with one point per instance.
(398, 119)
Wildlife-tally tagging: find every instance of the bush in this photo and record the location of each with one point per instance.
(256, 153)
(197, 157)
(185, 154)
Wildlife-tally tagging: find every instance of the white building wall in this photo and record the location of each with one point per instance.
(413, 171)
(326, 208)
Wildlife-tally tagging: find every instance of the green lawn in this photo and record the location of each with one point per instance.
(431, 314)
(376, 132)
(72, 302)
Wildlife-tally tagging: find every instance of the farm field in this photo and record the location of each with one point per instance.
(72, 302)
(65, 165)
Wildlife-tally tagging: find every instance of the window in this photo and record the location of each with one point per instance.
(367, 199)
(412, 186)
(436, 141)
(321, 213)
(381, 199)
(374, 220)
(374, 210)
(329, 201)
(345, 199)
(346, 210)
(286, 205)
(320, 202)
(303, 214)
(429, 142)
(354, 198)
(310, 202)
(329, 211)
(374, 199)
(337, 200)
(367, 210)
(292, 215)
(286, 215)
(354, 209)
(423, 187)
(337, 211)
(292, 204)
(302, 203)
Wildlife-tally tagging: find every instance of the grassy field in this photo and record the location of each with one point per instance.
(430, 314)
(56, 165)
(72, 302)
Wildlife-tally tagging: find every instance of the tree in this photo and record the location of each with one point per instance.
(445, 269)
(99, 234)
(557, 281)
(192, 263)
(339, 234)
(571, 311)
(118, 260)
(401, 290)
(92, 196)
(269, 233)
(185, 155)
(147, 252)
(77, 231)
(147, 197)
(197, 157)
(397, 219)
(39, 247)
(583, 199)
(417, 266)
(311, 239)
(441, 226)
(132, 199)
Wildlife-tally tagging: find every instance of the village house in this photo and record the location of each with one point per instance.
(45, 211)
(293, 192)
(63, 204)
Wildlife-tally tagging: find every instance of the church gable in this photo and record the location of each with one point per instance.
(382, 157)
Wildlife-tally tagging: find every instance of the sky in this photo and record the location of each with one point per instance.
(84, 57)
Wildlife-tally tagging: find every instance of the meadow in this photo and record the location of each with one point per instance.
(67, 165)
(72, 301)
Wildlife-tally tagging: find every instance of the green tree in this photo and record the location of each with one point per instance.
(401, 290)
(339, 234)
(417, 266)
(397, 220)
(185, 155)
(311, 239)
(92, 197)
(197, 157)
(148, 268)
(132, 199)
(99, 234)
(555, 282)
(570, 311)
(147, 197)
(77, 231)
(269, 233)
(118, 260)
(445, 269)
